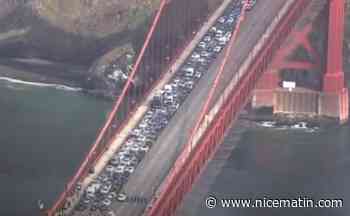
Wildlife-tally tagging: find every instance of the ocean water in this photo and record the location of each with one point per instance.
(279, 164)
(45, 130)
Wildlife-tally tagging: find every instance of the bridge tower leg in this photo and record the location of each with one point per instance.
(334, 100)
(328, 97)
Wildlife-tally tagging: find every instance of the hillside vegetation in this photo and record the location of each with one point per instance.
(96, 18)
(77, 31)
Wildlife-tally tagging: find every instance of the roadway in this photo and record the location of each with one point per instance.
(158, 161)
(136, 117)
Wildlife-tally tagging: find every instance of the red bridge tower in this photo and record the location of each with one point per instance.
(330, 97)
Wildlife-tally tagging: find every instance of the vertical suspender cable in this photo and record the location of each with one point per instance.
(175, 171)
(85, 164)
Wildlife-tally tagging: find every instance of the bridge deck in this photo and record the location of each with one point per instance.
(157, 162)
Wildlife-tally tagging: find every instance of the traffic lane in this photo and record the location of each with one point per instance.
(211, 19)
(159, 160)
(255, 24)
(174, 130)
(157, 163)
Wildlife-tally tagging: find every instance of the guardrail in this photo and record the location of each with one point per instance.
(189, 166)
(106, 130)
(103, 140)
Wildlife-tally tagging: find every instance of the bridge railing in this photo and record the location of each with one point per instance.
(106, 131)
(189, 165)
(162, 43)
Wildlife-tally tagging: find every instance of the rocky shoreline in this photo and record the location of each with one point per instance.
(35, 72)
(90, 80)
(262, 114)
(71, 36)
(45, 72)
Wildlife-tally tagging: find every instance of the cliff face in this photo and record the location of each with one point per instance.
(102, 35)
(75, 31)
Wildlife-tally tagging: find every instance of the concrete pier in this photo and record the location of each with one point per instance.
(335, 105)
(298, 101)
(322, 93)
(304, 102)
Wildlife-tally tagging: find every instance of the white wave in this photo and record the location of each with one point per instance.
(268, 124)
(67, 88)
(301, 126)
(282, 127)
(39, 84)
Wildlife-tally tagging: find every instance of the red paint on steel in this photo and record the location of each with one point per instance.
(334, 76)
(92, 153)
(219, 72)
(269, 80)
(344, 105)
(171, 195)
(297, 38)
(177, 52)
(297, 65)
(179, 161)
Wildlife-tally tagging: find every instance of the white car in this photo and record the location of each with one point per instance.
(114, 161)
(107, 202)
(106, 188)
(217, 49)
(189, 71)
(205, 54)
(222, 20)
(135, 148)
(130, 169)
(219, 33)
(144, 148)
(121, 197)
(202, 45)
(202, 60)
(112, 195)
(212, 29)
(189, 84)
(141, 138)
(168, 88)
(125, 162)
(136, 132)
(92, 188)
(195, 55)
(119, 169)
(208, 38)
(189, 74)
(230, 20)
(222, 39)
(109, 168)
(198, 74)
(222, 42)
(171, 100)
(86, 201)
(143, 124)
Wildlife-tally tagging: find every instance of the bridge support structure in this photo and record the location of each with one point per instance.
(335, 97)
(163, 43)
(326, 95)
(190, 164)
